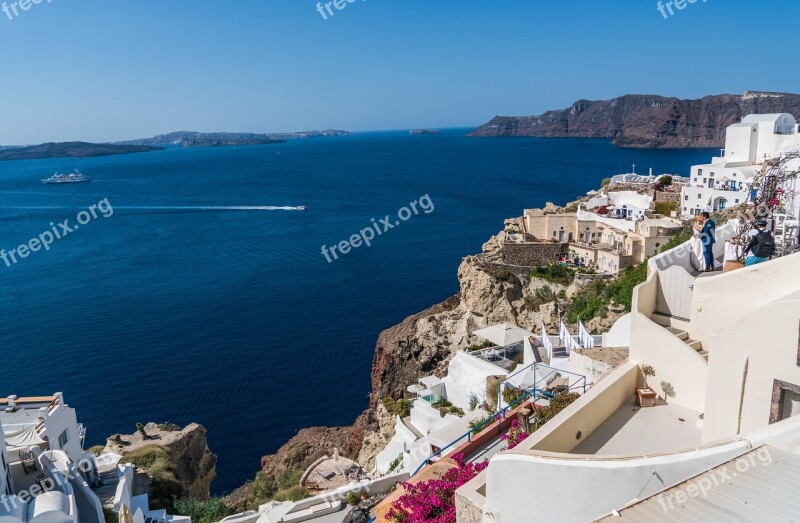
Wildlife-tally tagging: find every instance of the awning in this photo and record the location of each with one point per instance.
(23, 438)
(503, 335)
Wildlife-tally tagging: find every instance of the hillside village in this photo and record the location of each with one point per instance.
(589, 350)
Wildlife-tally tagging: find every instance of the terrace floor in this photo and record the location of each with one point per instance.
(634, 430)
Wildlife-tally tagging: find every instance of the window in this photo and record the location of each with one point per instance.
(699, 196)
(705, 180)
(785, 401)
(699, 172)
(686, 197)
(737, 200)
(63, 439)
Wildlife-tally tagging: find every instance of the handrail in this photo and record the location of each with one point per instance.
(500, 414)
(532, 392)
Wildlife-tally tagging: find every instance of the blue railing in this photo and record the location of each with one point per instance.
(477, 429)
(532, 392)
(537, 389)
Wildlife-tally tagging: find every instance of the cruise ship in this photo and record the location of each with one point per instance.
(74, 177)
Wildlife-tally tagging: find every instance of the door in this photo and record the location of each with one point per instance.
(675, 285)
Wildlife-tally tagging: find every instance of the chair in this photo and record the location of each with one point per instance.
(28, 462)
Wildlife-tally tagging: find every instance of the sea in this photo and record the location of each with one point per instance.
(195, 290)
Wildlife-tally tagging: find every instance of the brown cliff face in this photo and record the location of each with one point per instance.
(190, 464)
(646, 121)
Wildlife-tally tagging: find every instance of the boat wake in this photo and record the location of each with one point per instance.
(186, 208)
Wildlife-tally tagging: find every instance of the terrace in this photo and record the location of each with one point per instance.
(632, 429)
(504, 357)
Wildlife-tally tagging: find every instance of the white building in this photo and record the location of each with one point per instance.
(725, 181)
(724, 348)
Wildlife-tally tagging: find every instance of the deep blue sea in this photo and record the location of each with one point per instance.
(165, 311)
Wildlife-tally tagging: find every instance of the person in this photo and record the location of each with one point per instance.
(707, 236)
(761, 246)
(696, 244)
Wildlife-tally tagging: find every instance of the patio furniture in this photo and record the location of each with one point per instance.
(559, 385)
(28, 462)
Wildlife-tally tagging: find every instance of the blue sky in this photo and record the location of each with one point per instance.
(100, 70)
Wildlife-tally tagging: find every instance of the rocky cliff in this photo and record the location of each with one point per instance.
(420, 345)
(646, 121)
(172, 459)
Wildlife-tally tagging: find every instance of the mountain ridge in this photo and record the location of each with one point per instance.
(645, 121)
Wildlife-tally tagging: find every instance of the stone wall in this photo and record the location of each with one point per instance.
(534, 254)
(668, 196)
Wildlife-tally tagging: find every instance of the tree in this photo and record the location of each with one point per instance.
(772, 189)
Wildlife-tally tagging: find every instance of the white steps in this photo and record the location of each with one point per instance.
(679, 328)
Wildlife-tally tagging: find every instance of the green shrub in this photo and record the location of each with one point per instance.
(479, 346)
(455, 411)
(665, 181)
(555, 273)
(557, 404)
(262, 489)
(396, 463)
(512, 394)
(352, 499)
(295, 493)
(477, 424)
(203, 511)
(473, 401)
(665, 208)
(442, 402)
(97, 449)
(542, 295)
(165, 485)
(289, 478)
(401, 407)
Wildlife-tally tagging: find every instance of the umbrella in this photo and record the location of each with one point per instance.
(503, 335)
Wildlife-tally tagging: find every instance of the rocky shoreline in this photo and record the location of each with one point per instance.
(422, 344)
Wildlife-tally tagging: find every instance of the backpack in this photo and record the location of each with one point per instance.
(765, 245)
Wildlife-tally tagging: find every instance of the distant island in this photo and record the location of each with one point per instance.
(186, 139)
(415, 132)
(70, 150)
(646, 121)
(197, 139)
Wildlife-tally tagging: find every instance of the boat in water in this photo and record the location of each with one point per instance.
(302, 208)
(73, 177)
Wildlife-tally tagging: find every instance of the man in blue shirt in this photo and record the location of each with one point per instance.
(707, 237)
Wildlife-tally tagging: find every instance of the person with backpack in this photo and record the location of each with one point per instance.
(761, 246)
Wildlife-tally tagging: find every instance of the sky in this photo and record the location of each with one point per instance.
(105, 70)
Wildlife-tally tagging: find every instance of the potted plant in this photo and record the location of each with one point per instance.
(645, 396)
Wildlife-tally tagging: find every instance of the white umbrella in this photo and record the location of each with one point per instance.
(503, 335)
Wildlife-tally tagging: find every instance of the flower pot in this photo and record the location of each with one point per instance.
(645, 397)
(732, 265)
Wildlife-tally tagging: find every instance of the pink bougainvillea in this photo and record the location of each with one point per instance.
(434, 501)
(515, 435)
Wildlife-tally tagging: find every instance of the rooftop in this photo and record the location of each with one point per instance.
(759, 486)
(635, 430)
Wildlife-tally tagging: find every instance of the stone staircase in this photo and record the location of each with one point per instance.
(109, 479)
(679, 328)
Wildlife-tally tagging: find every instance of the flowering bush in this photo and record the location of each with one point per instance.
(515, 435)
(434, 501)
